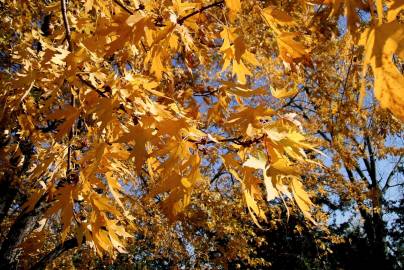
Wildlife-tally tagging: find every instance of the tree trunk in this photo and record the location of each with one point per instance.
(7, 195)
(375, 230)
(21, 228)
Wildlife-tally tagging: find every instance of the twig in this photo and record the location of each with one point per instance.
(181, 20)
(66, 24)
(123, 7)
(391, 174)
(89, 84)
(219, 173)
(72, 100)
(206, 94)
(235, 140)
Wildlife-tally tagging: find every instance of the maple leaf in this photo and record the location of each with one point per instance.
(381, 43)
(283, 93)
(274, 14)
(234, 52)
(301, 198)
(163, 116)
(70, 114)
(290, 50)
(234, 5)
(64, 204)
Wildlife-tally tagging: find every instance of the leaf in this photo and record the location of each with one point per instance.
(283, 93)
(301, 198)
(256, 163)
(115, 188)
(69, 114)
(276, 15)
(234, 52)
(252, 205)
(394, 8)
(290, 50)
(140, 136)
(381, 43)
(233, 5)
(64, 204)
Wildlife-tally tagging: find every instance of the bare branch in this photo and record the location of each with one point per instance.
(391, 174)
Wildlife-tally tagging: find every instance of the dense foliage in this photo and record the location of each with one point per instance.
(201, 134)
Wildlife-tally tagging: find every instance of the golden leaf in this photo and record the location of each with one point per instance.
(301, 198)
(381, 43)
(233, 5)
(290, 50)
(274, 14)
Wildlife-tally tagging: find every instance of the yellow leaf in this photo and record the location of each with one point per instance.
(394, 8)
(290, 50)
(115, 188)
(256, 163)
(381, 43)
(70, 114)
(273, 14)
(185, 182)
(233, 5)
(101, 238)
(241, 71)
(301, 198)
(283, 93)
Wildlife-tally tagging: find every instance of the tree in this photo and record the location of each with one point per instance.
(114, 110)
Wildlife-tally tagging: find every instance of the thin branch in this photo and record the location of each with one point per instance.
(63, 7)
(349, 70)
(391, 174)
(89, 84)
(206, 94)
(397, 185)
(219, 173)
(291, 100)
(350, 174)
(236, 140)
(181, 20)
(123, 7)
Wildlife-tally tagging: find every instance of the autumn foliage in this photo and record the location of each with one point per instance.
(121, 115)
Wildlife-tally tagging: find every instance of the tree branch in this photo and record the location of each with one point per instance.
(391, 174)
(206, 94)
(56, 252)
(63, 7)
(218, 174)
(89, 84)
(372, 165)
(181, 20)
(235, 140)
(123, 7)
